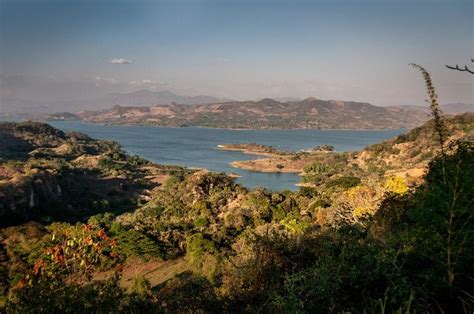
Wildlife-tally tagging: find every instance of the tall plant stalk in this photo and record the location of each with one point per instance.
(441, 130)
(436, 112)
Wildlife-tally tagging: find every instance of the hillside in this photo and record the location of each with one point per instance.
(46, 172)
(310, 113)
(455, 108)
(87, 227)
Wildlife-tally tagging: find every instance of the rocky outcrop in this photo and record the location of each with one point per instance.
(29, 198)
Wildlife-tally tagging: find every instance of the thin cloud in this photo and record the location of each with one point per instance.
(148, 84)
(102, 81)
(223, 60)
(120, 61)
(143, 82)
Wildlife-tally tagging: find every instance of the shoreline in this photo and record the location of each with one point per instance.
(244, 165)
(250, 151)
(229, 129)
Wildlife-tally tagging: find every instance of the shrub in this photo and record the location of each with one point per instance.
(100, 206)
(344, 182)
(294, 224)
(396, 185)
(197, 245)
(108, 164)
(201, 254)
(200, 221)
(133, 243)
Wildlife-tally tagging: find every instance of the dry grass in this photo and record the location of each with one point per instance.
(156, 271)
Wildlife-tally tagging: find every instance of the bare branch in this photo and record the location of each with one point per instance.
(458, 68)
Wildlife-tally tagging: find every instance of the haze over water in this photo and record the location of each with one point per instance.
(196, 147)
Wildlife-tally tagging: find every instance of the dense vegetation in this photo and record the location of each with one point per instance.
(358, 240)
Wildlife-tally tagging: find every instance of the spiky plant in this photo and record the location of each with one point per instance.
(450, 193)
(436, 112)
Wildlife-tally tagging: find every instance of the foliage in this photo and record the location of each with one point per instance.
(444, 214)
(396, 185)
(344, 182)
(133, 243)
(200, 221)
(75, 251)
(201, 254)
(354, 241)
(294, 224)
(439, 125)
(70, 255)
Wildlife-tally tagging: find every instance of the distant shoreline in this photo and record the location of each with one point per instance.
(258, 168)
(223, 128)
(250, 151)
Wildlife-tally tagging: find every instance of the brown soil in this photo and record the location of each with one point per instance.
(156, 271)
(286, 164)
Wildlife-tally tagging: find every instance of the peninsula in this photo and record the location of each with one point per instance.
(406, 154)
(255, 149)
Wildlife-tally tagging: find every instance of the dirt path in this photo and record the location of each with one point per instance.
(155, 271)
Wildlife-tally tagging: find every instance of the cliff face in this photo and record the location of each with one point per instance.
(32, 197)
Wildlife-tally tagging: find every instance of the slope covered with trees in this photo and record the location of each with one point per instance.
(329, 248)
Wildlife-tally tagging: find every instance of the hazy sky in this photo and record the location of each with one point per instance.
(345, 50)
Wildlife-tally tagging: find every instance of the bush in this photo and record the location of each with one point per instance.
(294, 224)
(201, 254)
(100, 206)
(200, 221)
(134, 243)
(344, 182)
(396, 185)
(108, 164)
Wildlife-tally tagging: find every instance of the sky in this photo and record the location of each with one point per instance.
(344, 50)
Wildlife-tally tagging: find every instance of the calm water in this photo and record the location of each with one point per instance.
(196, 147)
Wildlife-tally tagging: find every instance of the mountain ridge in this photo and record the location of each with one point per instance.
(267, 113)
(143, 97)
(452, 108)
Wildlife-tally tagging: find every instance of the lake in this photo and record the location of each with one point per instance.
(196, 147)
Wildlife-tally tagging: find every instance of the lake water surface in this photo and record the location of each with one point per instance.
(196, 147)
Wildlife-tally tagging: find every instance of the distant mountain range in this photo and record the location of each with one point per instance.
(147, 98)
(164, 108)
(138, 98)
(310, 113)
(286, 99)
(447, 108)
